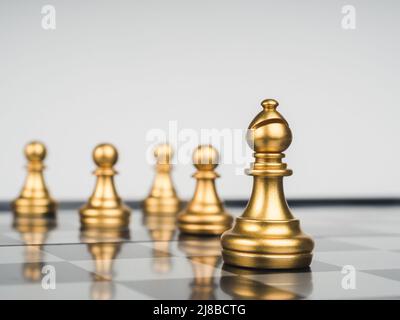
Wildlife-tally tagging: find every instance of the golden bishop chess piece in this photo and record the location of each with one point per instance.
(162, 198)
(267, 236)
(105, 208)
(205, 213)
(162, 230)
(34, 199)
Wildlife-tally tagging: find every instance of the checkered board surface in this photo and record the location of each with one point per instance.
(367, 238)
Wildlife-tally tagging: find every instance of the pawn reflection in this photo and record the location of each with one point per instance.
(162, 230)
(104, 246)
(266, 284)
(204, 254)
(34, 233)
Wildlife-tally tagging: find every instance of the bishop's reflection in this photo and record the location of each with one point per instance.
(266, 284)
(204, 254)
(34, 233)
(104, 245)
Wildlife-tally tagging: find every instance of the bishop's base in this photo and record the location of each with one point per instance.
(267, 244)
(267, 261)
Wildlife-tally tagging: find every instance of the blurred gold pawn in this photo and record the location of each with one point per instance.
(162, 198)
(105, 208)
(205, 213)
(267, 236)
(34, 199)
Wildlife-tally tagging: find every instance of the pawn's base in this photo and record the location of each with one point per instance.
(204, 224)
(35, 208)
(107, 218)
(167, 206)
(273, 244)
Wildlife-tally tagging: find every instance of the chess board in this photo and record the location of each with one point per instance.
(153, 261)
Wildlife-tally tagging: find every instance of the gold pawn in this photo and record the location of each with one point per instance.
(34, 199)
(162, 198)
(105, 208)
(267, 236)
(205, 213)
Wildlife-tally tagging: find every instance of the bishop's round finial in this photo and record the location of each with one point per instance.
(163, 153)
(205, 157)
(105, 155)
(270, 104)
(35, 151)
(269, 132)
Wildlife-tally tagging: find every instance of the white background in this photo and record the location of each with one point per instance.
(113, 70)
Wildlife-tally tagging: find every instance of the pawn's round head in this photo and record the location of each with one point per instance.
(269, 132)
(163, 153)
(105, 155)
(35, 151)
(205, 157)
